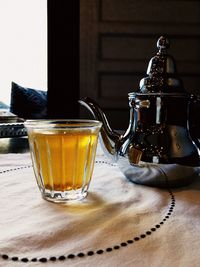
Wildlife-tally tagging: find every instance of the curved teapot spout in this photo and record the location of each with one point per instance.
(109, 139)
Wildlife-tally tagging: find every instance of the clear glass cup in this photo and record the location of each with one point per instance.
(63, 155)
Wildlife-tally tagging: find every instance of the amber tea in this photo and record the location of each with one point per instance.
(63, 155)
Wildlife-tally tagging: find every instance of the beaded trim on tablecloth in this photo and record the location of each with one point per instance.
(82, 254)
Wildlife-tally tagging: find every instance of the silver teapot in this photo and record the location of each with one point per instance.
(157, 148)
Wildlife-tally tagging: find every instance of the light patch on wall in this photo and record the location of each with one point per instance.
(23, 45)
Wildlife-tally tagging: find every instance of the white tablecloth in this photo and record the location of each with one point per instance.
(119, 224)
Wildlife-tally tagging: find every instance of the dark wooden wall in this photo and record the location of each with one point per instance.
(117, 40)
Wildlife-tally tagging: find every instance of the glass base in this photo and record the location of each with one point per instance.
(63, 197)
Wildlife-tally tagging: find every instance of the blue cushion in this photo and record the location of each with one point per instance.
(3, 105)
(28, 103)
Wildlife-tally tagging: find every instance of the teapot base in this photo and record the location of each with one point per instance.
(158, 175)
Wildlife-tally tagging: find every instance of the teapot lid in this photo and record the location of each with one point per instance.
(162, 74)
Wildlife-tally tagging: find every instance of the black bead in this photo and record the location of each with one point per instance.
(61, 258)
(52, 258)
(153, 229)
(130, 241)
(116, 247)
(123, 244)
(109, 249)
(34, 259)
(143, 236)
(148, 233)
(14, 258)
(136, 238)
(80, 254)
(24, 259)
(100, 251)
(71, 256)
(90, 253)
(43, 260)
(4, 256)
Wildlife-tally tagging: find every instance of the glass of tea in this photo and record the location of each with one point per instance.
(63, 155)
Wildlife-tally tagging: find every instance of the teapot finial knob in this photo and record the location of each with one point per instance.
(163, 44)
(162, 75)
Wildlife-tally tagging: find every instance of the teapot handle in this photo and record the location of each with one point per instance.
(194, 119)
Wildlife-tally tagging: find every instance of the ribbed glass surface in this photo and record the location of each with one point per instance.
(63, 161)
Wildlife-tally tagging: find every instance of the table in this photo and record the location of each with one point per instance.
(119, 223)
(12, 129)
(14, 145)
(13, 138)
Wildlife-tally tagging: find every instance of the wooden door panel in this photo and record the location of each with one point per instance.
(118, 38)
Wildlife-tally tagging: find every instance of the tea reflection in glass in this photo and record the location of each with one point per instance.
(63, 154)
